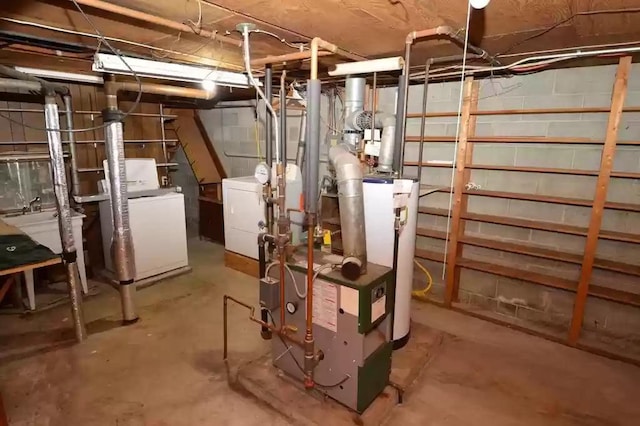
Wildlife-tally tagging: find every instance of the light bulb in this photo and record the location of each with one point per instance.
(208, 85)
(479, 4)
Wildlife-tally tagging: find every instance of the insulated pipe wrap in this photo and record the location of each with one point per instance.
(351, 202)
(313, 146)
(122, 243)
(60, 188)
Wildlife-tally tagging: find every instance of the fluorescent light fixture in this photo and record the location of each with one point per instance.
(208, 85)
(365, 67)
(167, 70)
(479, 4)
(60, 75)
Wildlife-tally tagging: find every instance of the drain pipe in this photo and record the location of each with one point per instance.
(61, 190)
(351, 202)
(403, 84)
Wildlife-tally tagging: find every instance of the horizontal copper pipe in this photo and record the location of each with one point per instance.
(158, 89)
(289, 57)
(152, 19)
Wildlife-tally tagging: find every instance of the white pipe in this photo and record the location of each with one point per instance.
(541, 60)
(247, 64)
(366, 67)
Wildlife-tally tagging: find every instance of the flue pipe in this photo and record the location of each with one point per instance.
(157, 20)
(61, 191)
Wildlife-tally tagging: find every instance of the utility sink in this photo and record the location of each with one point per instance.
(19, 219)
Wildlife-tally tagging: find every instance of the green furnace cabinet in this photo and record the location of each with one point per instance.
(352, 324)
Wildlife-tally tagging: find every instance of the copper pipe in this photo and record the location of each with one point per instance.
(289, 57)
(159, 89)
(450, 33)
(281, 331)
(318, 43)
(157, 20)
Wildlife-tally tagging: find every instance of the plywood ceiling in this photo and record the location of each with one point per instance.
(370, 28)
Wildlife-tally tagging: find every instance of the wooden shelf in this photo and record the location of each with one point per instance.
(429, 255)
(527, 111)
(536, 225)
(518, 139)
(534, 251)
(550, 281)
(575, 172)
(551, 199)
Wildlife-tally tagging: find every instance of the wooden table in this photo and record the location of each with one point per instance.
(12, 272)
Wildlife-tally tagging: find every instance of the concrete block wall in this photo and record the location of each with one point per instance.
(184, 178)
(515, 300)
(232, 132)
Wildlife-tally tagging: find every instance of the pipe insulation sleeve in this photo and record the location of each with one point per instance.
(351, 201)
(60, 188)
(52, 122)
(313, 146)
(122, 250)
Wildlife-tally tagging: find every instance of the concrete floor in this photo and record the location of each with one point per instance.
(168, 369)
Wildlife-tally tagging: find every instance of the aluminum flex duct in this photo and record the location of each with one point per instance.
(351, 202)
(61, 191)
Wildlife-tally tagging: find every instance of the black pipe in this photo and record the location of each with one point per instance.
(265, 333)
(401, 113)
(423, 118)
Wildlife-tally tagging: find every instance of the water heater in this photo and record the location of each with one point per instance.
(380, 194)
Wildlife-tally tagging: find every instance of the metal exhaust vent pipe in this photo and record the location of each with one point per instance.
(351, 202)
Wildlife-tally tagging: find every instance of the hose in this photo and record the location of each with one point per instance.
(424, 291)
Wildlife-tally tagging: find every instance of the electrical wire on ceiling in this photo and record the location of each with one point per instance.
(297, 46)
(115, 52)
(565, 20)
(455, 144)
(112, 39)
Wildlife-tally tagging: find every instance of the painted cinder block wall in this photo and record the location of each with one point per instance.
(232, 131)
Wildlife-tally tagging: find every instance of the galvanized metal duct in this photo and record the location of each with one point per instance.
(353, 104)
(61, 191)
(351, 202)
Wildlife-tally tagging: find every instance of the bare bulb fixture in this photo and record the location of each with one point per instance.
(479, 4)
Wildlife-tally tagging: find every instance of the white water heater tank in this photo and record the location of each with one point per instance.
(379, 214)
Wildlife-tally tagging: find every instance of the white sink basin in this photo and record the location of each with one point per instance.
(29, 218)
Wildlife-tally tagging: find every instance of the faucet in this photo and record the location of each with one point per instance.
(35, 205)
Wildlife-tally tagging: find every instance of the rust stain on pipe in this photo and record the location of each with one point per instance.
(142, 16)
